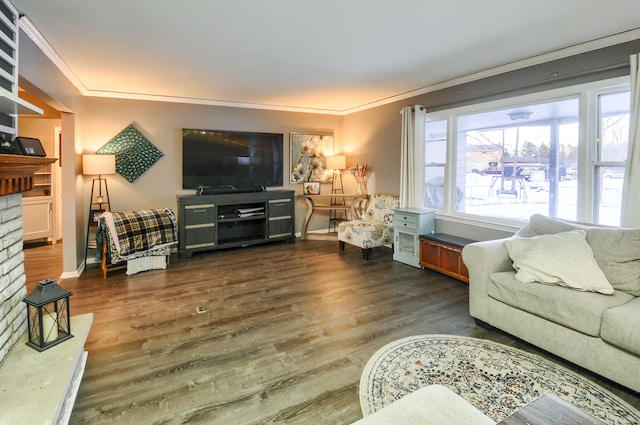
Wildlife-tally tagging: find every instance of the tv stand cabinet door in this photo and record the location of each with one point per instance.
(197, 225)
(281, 218)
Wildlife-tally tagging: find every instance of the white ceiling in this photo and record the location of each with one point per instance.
(332, 56)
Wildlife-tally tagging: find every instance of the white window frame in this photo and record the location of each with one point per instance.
(587, 95)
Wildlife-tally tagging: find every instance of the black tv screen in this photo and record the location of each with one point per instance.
(218, 158)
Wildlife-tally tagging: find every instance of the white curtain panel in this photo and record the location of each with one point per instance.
(631, 188)
(412, 155)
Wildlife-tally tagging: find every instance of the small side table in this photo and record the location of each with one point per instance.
(550, 410)
(408, 224)
(350, 203)
(443, 253)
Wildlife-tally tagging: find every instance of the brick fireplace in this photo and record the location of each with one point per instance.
(13, 312)
(45, 394)
(16, 176)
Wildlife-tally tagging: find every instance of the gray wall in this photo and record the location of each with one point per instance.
(162, 124)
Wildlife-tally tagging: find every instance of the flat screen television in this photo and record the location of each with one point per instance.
(231, 159)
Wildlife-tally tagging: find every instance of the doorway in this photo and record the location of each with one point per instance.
(42, 205)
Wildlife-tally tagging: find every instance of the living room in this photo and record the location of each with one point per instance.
(366, 134)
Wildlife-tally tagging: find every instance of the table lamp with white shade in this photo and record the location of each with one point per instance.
(337, 163)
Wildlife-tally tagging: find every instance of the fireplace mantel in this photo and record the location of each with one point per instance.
(16, 172)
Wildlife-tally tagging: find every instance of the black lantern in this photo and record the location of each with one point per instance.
(48, 315)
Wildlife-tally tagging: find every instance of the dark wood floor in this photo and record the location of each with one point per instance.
(287, 332)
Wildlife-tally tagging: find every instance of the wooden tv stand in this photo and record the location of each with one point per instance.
(228, 220)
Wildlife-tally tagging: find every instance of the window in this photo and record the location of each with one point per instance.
(543, 153)
(435, 159)
(612, 143)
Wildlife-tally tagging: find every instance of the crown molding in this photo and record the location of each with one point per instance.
(513, 66)
(208, 102)
(34, 34)
(41, 42)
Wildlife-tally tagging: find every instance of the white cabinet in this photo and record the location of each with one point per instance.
(408, 225)
(38, 206)
(37, 212)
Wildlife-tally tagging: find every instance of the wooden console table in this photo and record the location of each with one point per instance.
(442, 253)
(352, 202)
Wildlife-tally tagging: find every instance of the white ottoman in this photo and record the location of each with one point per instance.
(430, 405)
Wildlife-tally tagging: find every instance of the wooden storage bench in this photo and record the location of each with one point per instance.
(442, 253)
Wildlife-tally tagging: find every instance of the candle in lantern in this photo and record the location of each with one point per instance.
(50, 326)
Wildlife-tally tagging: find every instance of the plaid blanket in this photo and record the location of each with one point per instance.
(141, 231)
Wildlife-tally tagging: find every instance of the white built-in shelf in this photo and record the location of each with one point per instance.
(7, 130)
(12, 104)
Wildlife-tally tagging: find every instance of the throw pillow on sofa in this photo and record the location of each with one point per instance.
(615, 249)
(563, 258)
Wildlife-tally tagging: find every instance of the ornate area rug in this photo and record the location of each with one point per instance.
(496, 379)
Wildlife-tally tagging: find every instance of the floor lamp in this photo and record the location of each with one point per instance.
(337, 163)
(99, 165)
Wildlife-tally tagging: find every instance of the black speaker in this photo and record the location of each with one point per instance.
(247, 189)
(219, 190)
(30, 146)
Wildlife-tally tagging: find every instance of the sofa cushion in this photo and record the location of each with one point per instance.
(542, 225)
(617, 252)
(616, 249)
(580, 311)
(620, 326)
(563, 258)
(366, 233)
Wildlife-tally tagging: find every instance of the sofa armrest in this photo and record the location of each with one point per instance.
(482, 260)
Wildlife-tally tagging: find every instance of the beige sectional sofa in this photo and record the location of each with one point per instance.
(588, 309)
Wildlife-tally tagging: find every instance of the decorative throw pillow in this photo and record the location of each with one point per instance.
(617, 252)
(562, 258)
(615, 249)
